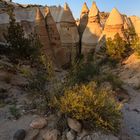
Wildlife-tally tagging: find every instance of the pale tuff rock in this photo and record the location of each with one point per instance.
(114, 25)
(127, 23)
(136, 23)
(92, 32)
(67, 27)
(74, 125)
(115, 18)
(68, 31)
(94, 11)
(130, 73)
(83, 19)
(38, 123)
(54, 38)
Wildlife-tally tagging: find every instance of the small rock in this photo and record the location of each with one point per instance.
(19, 134)
(38, 123)
(70, 135)
(82, 134)
(74, 125)
(51, 135)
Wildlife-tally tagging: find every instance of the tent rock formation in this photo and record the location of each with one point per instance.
(92, 32)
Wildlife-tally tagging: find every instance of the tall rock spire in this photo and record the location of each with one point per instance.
(66, 14)
(66, 7)
(41, 31)
(94, 11)
(114, 25)
(115, 18)
(83, 19)
(92, 31)
(84, 10)
(54, 36)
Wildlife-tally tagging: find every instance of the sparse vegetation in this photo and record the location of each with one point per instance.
(135, 44)
(93, 105)
(116, 48)
(113, 80)
(15, 112)
(20, 47)
(82, 72)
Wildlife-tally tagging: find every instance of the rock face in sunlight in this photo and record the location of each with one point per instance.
(92, 32)
(114, 25)
(136, 23)
(127, 23)
(83, 19)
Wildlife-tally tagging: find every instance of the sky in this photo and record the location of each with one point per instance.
(128, 7)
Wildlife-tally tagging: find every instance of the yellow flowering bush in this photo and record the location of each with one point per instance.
(93, 106)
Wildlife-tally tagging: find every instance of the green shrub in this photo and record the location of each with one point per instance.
(92, 105)
(113, 79)
(135, 44)
(82, 72)
(20, 47)
(116, 47)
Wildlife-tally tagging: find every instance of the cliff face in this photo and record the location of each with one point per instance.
(55, 26)
(59, 32)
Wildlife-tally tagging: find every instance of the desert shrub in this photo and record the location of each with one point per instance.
(116, 47)
(20, 47)
(26, 72)
(14, 112)
(135, 44)
(113, 79)
(82, 72)
(41, 82)
(92, 105)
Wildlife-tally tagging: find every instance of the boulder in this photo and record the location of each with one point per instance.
(74, 125)
(19, 134)
(92, 31)
(51, 135)
(38, 123)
